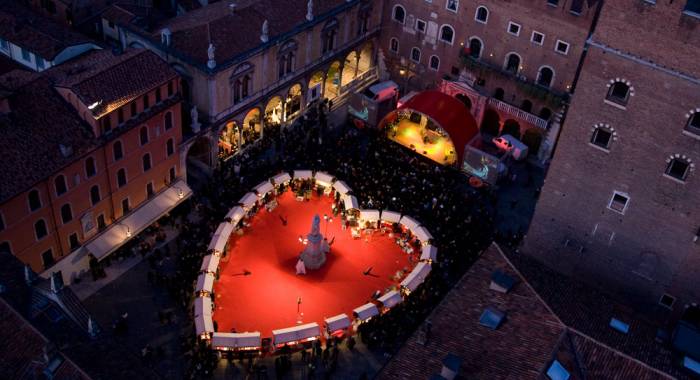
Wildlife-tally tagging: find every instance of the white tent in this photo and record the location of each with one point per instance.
(221, 235)
(205, 282)
(422, 234)
(429, 253)
(202, 306)
(236, 214)
(203, 325)
(281, 178)
(248, 200)
(235, 340)
(390, 299)
(210, 263)
(391, 216)
(296, 333)
(416, 277)
(339, 322)
(369, 215)
(350, 202)
(341, 187)
(365, 311)
(303, 174)
(264, 188)
(410, 223)
(324, 179)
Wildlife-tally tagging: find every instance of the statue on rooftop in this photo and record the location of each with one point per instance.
(310, 10)
(211, 63)
(264, 37)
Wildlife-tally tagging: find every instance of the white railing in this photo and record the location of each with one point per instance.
(518, 113)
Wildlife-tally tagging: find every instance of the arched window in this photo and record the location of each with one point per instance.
(146, 160)
(545, 113)
(512, 63)
(60, 184)
(602, 136)
(170, 147)
(117, 150)
(545, 76)
(447, 34)
(415, 54)
(241, 81)
(475, 47)
(499, 94)
(394, 45)
(90, 169)
(526, 105)
(121, 177)
(452, 5)
(143, 135)
(481, 15)
(40, 229)
(434, 62)
(399, 14)
(66, 213)
(330, 32)
(168, 120)
(693, 125)
(34, 200)
(286, 58)
(619, 92)
(678, 166)
(95, 194)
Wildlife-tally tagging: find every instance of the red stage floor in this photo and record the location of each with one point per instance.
(266, 299)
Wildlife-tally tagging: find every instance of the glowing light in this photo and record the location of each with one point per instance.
(94, 105)
(128, 232)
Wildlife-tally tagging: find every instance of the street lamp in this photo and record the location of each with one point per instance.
(327, 219)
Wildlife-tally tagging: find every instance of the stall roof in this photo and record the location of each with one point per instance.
(410, 223)
(341, 187)
(248, 200)
(340, 321)
(236, 340)
(203, 324)
(369, 215)
(350, 201)
(264, 188)
(416, 277)
(422, 234)
(391, 216)
(235, 214)
(429, 253)
(281, 178)
(303, 174)
(202, 306)
(205, 282)
(365, 311)
(210, 263)
(390, 299)
(296, 333)
(324, 178)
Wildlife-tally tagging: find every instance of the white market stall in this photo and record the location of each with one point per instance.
(296, 334)
(281, 178)
(337, 325)
(204, 326)
(369, 215)
(210, 263)
(415, 278)
(390, 299)
(236, 214)
(264, 188)
(410, 223)
(303, 174)
(350, 202)
(248, 200)
(205, 283)
(422, 234)
(341, 187)
(202, 306)
(429, 253)
(324, 179)
(236, 341)
(220, 238)
(391, 216)
(365, 312)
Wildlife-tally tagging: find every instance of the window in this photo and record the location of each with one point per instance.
(420, 25)
(26, 55)
(242, 80)
(60, 185)
(40, 229)
(286, 64)
(4, 45)
(475, 47)
(553, 3)
(415, 54)
(172, 174)
(34, 200)
(170, 147)
(537, 38)
(40, 63)
(107, 124)
(545, 76)
(158, 96)
(512, 63)
(121, 177)
(90, 169)
(562, 47)
(513, 28)
(133, 109)
(47, 259)
(693, 125)
(619, 202)
(602, 137)
(168, 120)
(2, 223)
(117, 150)
(619, 93)
(363, 22)
(434, 62)
(678, 168)
(101, 224)
(125, 206)
(692, 7)
(143, 135)
(73, 242)
(66, 213)
(329, 34)
(399, 14)
(170, 88)
(146, 161)
(149, 190)
(447, 34)
(481, 15)
(394, 45)
(95, 195)
(451, 5)
(576, 7)
(120, 115)
(146, 102)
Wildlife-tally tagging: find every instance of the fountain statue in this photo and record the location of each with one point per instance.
(314, 255)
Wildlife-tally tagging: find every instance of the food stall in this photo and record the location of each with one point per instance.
(303, 174)
(296, 335)
(248, 201)
(202, 306)
(247, 341)
(209, 264)
(281, 179)
(263, 188)
(391, 217)
(341, 187)
(204, 326)
(369, 216)
(389, 300)
(337, 326)
(324, 179)
(220, 238)
(350, 202)
(429, 254)
(205, 283)
(422, 234)
(235, 214)
(365, 312)
(415, 278)
(410, 224)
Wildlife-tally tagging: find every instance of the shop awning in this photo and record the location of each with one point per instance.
(324, 179)
(365, 311)
(350, 202)
(390, 299)
(416, 277)
(391, 216)
(264, 188)
(236, 214)
(205, 282)
(369, 215)
(203, 324)
(296, 333)
(202, 306)
(429, 253)
(341, 187)
(248, 200)
(210, 263)
(422, 234)
(281, 178)
(303, 174)
(236, 340)
(149, 212)
(339, 322)
(410, 223)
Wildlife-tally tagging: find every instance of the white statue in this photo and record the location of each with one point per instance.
(211, 63)
(310, 10)
(265, 32)
(194, 115)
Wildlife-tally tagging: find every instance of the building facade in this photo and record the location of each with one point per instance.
(620, 205)
(113, 148)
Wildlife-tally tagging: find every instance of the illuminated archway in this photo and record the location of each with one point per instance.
(292, 104)
(364, 63)
(229, 140)
(274, 114)
(252, 126)
(332, 84)
(349, 69)
(315, 86)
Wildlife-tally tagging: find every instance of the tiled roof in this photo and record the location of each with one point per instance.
(34, 32)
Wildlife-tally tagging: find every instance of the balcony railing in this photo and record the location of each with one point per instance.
(517, 112)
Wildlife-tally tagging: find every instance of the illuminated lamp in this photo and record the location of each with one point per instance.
(128, 232)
